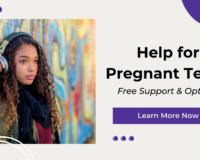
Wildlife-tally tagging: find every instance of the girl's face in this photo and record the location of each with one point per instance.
(26, 59)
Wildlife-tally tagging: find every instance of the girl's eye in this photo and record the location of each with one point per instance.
(22, 62)
(36, 61)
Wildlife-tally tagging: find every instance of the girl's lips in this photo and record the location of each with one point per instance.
(30, 77)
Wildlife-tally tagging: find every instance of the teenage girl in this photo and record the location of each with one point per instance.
(28, 110)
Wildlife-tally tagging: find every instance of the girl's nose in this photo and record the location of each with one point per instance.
(31, 67)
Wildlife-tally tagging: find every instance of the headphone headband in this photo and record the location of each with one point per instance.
(9, 38)
(13, 35)
(3, 45)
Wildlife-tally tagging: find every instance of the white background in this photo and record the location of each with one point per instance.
(121, 27)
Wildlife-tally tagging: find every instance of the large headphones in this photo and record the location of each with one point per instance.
(3, 60)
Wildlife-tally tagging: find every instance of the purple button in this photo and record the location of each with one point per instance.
(156, 115)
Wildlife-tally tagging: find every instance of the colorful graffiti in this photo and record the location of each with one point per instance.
(70, 49)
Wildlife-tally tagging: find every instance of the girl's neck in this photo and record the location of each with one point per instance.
(20, 85)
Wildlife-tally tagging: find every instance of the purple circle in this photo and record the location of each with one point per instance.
(115, 138)
(192, 8)
(0, 9)
(123, 138)
(131, 138)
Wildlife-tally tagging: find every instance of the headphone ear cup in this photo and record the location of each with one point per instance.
(3, 64)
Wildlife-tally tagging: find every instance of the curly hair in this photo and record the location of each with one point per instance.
(43, 83)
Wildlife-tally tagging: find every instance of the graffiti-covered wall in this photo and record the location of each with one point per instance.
(70, 49)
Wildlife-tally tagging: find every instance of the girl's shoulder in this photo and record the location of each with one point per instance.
(3, 106)
(3, 123)
(3, 110)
